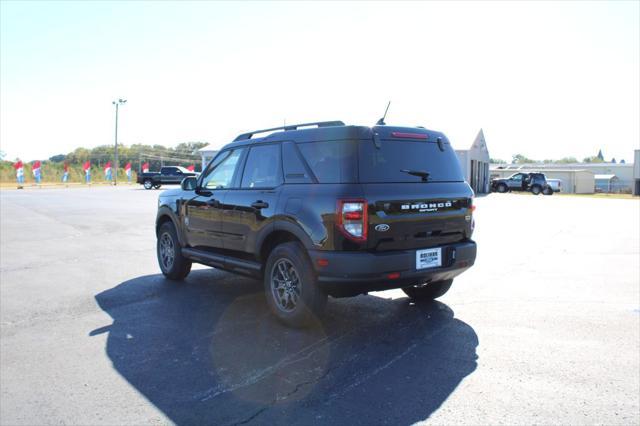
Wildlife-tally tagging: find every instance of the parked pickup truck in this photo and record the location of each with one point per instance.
(555, 184)
(171, 175)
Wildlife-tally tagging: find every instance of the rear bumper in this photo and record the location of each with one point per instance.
(349, 273)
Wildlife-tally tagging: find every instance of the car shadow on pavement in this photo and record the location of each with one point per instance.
(207, 351)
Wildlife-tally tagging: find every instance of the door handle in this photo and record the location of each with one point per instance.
(213, 203)
(260, 205)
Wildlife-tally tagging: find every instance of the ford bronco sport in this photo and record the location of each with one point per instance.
(324, 209)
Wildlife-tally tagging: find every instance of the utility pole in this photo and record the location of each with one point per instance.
(115, 165)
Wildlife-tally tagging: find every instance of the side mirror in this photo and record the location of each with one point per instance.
(189, 183)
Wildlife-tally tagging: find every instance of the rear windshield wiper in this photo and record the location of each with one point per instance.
(424, 175)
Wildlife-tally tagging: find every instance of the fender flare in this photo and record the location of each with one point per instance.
(288, 226)
(165, 211)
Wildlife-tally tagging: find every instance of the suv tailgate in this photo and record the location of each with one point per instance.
(417, 215)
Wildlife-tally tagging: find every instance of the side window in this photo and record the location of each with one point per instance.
(517, 177)
(262, 169)
(294, 169)
(220, 174)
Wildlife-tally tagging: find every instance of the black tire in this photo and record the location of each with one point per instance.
(547, 191)
(172, 264)
(536, 189)
(291, 287)
(157, 186)
(429, 291)
(502, 188)
(147, 184)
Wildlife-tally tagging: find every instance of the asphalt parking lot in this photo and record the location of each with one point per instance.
(545, 329)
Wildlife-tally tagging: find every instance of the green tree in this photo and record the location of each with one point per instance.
(78, 156)
(521, 159)
(594, 159)
(189, 148)
(566, 160)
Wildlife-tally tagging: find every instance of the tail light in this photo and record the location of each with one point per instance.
(472, 207)
(352, 219)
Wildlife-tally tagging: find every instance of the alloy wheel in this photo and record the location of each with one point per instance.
(167, 251)
(285, 285)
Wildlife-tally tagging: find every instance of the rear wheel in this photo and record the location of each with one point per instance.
(536, 189)
(291, 287)
(172, 264)
(502, 188)
(428, 291)
(547, 191)
(147, 184)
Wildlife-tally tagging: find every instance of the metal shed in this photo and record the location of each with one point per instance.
(606, 183)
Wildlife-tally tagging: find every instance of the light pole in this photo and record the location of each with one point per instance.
(115, 165)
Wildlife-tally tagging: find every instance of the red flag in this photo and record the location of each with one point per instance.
(18, 165)
(36, 165)
(107, 166)
(145, 167)
(86, 166)
(127, 167)
(191, 168)
(66, 167)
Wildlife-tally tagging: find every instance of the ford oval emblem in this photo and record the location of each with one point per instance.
(383, 227)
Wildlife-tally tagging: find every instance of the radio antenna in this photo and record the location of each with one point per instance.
(381, 121)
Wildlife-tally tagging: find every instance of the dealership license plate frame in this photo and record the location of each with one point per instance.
(433, 258)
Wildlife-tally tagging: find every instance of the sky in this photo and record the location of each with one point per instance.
(544, 79)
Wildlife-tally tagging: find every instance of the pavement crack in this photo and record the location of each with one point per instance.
(253, 416)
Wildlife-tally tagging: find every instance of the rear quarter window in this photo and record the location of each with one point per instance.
(331, 161)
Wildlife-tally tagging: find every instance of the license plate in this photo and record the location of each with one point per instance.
(429, 258)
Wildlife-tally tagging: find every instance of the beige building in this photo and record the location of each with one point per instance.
(573, 181)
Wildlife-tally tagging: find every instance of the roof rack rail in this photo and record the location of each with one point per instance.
(249, 135)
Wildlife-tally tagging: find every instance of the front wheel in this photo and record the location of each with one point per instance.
(172, 263)
(502, 188)
(147, 184)
(428, 291)
(291, 287)
(157, 186)
(535, 189)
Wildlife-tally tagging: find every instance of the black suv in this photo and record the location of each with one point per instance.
(535, 183)
(323, 209)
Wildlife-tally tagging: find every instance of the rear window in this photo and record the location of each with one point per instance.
(331, 161)
(384, 164)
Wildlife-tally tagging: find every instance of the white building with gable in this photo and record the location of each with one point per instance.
(475, 164)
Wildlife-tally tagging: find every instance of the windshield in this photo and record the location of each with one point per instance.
(386, 164)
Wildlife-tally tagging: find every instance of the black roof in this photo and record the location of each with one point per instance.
(332, 130)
